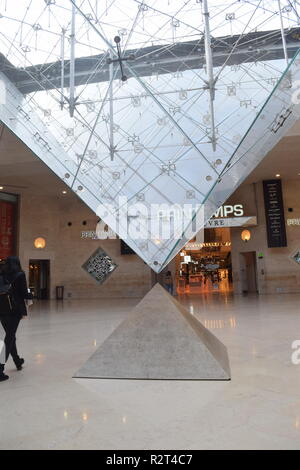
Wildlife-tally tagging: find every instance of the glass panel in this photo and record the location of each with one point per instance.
(148, 121)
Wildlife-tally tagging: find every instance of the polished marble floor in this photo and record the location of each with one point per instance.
(42, 407)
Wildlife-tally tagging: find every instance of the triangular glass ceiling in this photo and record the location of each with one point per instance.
(170, 102)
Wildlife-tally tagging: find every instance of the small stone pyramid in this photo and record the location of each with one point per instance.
(160, 340)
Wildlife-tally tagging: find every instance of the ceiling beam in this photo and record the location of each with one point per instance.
(157, 60)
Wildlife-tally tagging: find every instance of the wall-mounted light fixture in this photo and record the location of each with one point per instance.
(246, 235)
(40, 243)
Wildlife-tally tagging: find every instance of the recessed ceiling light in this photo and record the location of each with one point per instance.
(1, 187)
(64, 192)
(277, 175)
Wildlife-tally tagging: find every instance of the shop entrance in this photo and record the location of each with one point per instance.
(206, 268)
(39, 278)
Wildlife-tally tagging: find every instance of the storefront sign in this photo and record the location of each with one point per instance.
(199, 246)
(274, 210)
(293, 221)
(6, 229)
(231, 222)
(225, 211)
(102, 232)
(98, 236)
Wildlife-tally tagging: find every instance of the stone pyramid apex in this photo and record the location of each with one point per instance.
(159, 340)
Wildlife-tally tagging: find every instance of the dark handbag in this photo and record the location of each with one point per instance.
(6, 300)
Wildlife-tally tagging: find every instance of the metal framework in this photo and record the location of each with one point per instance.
(206, 84)
(174, 58)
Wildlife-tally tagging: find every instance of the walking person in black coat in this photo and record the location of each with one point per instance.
(14, 275)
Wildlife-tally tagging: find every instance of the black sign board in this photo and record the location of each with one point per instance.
(274, 213)
(125, 249)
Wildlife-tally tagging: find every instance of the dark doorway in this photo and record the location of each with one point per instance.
(39, 278)
(249, 272)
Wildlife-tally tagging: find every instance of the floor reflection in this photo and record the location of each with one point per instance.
(207, 287)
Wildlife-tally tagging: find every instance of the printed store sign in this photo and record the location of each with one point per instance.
(274, 211)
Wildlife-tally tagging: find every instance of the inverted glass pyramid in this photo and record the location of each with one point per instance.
(136, 104)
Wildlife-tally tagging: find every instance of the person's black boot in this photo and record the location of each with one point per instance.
(19, 363)
(2, 375)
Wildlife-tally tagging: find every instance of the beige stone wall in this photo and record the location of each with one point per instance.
(276, 272)
(48, 217)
